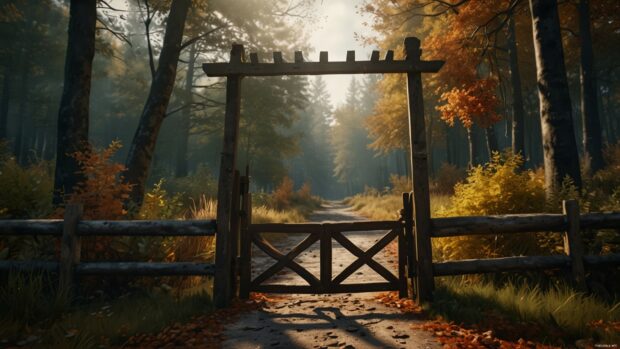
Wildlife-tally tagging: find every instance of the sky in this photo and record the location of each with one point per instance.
(334, 31)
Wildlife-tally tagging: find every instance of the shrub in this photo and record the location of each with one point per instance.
(158, 204)
(26, 192)
(103, 191)
(198, 184)
(400, 184)
(446, 178)
(495, 188)
(283, 194)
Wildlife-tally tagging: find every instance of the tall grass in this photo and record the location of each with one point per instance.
(207, 209)
(555, 309)
(33, 314)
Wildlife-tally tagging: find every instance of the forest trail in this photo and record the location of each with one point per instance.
(324, 321)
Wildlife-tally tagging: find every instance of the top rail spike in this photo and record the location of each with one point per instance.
(389, 56)
(277, 57)
(374, 56)
(254, 58)
(299, 57)
(323, 57)
(350, 56)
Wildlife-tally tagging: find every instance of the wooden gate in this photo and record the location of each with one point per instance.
(323, 233)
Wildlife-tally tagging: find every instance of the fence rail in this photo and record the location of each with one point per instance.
(71, 229)
(570, 223)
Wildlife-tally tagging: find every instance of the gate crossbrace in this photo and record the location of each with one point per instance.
(365, 257)
(285, 260)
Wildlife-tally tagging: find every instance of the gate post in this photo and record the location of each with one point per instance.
(419, 175)
(222, 292)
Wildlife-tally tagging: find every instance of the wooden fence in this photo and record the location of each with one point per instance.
(570, 223)
(71, 229)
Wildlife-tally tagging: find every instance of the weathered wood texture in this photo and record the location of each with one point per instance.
(323, 233)
(504, 224)
(223, 248)
(145, 268)
(493, 265)
(70, 248)
(319, 68)
(573, 246)
(53, 227)
(245, 241)
(419, 170)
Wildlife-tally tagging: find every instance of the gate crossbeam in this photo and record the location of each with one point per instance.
(365, 257)
(285, 260)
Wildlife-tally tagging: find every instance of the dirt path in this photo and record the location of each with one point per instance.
(322, 321)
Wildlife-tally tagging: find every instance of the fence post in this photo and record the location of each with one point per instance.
(70, 248)
(419, 176)
(573, 246)
(402, 256)
(411, 255)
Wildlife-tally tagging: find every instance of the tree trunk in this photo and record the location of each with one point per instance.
(473, 151)
(154, 111)
(592, 143)
(19, 145)
(491, 139)
(6, 97)
(518, 112)
(558, 136)
(182, 145)
(74, 103)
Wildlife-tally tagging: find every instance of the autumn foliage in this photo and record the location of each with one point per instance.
(472, 103)
(103, 191)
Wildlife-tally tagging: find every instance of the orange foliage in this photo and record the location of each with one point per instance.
(281, 197)
(103, 191)
(472, 103)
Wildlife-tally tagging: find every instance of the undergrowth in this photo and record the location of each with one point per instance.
(516, 310)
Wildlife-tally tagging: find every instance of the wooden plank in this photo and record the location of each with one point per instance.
(18, 227)
(301, 289)
(69, 249)
(277, 59)
(365, 257)
(319, 68)
(291, 264)
(326, 260)
(502, 224)
(234, 230)
(148, 228)
(600, 220)
(350, 56)
(389, 57)
(374, 56)
(402, 263)
(299, 57)
(245, 255)
(408, 220)
(362, 226)
(323, 57)
(9, 266)
(221, 289)
(419, 170)
(145, 268)
(285, 260)
(494, 265)
(612, 259)
(573, 246)
(309, 228)
(346, 288)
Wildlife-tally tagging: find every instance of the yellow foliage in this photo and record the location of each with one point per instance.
(158, 204)
(495, 188)
(498, 188)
